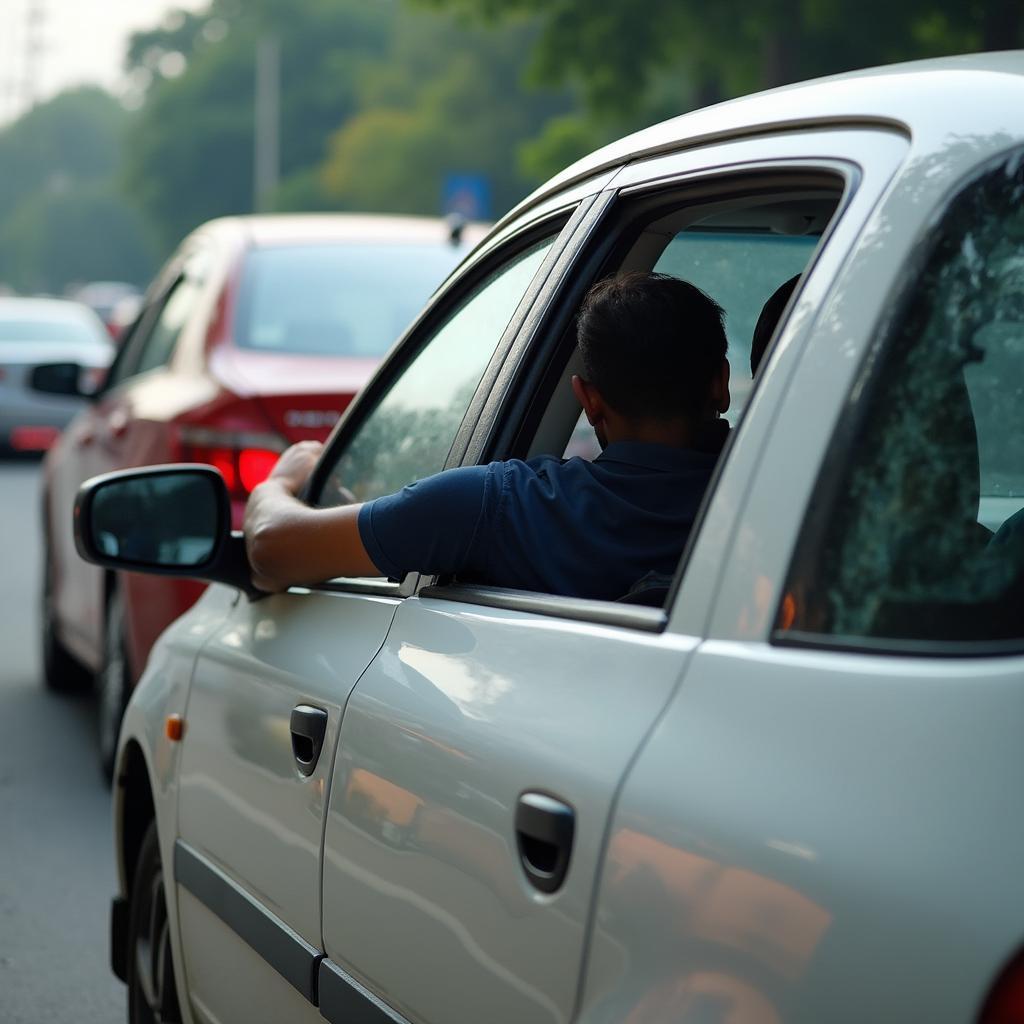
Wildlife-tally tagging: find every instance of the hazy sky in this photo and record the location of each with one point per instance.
(82, 41)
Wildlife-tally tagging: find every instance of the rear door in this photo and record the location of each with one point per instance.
(481, 753)
(268, 694)
(824, 824)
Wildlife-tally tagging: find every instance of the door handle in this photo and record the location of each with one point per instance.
(308, 725)
(544, 833)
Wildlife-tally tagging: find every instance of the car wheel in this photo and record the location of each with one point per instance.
(113, 684)
(62, 672)
(152, 997)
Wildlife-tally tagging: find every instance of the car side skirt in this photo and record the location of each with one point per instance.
(286, 951)
(344, 1001)
(341, 999)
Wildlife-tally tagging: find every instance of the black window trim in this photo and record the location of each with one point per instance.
(849, 425)
(521, 378)
(130, 351)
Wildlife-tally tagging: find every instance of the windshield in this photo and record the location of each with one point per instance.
(345, 298)
(56, 331)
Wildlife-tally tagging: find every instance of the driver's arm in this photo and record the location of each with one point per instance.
(288, 542)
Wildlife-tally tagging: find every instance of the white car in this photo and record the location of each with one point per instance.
(785, 790)
(52, 352)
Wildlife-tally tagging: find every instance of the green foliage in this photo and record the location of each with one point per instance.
(615, 52)
(191, 151)
(61, 217)
(75, 138)
(448, 99)
(86, 233)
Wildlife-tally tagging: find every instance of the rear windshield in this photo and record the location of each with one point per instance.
(346, 299)
(48, 331)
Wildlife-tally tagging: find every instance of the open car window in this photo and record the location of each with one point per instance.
(739, 253)
(740, 268)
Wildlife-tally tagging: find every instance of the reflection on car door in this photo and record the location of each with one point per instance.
(482, 748)
(250, 817)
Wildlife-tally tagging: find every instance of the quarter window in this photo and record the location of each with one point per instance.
(157, 348)
(922, 535)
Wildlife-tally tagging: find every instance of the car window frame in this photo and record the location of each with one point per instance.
(579, 266)
(557, 223)
(128, 353)
(869, 378)
(163, 287)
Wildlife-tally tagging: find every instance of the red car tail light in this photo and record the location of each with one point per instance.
(254, 466)
(1005, 1002)
(244, 459)
(33, 439)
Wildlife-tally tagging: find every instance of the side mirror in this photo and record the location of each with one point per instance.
(67, 379)
(57, 379)
(167, 520)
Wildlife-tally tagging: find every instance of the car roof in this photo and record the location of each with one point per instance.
(944, 95)
(32, 308)
(287, 228)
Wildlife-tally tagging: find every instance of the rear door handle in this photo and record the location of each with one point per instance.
(544, 835)
(308, 726)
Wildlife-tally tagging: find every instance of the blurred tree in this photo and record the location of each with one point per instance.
(191, 149)
(62, 218)
(620, 56)
(86, 233)
(379, 103)
(74, 138)
(448, 99)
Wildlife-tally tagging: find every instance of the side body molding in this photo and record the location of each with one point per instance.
(290, 955)
(344, 1001)
(341, 999)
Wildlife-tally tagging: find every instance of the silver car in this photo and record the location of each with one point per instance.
(51, 351)
(783, 790)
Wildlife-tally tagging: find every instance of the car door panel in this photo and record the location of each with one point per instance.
(806, 837)
(246, 814)
(464, 711)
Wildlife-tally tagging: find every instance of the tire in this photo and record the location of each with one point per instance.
(152, 996)
(112, 684)
(62, 672)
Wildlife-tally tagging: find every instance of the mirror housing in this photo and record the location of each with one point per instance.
(69, 379)
(57, 379)
(172, 520)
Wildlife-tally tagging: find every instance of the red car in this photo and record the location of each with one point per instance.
(256, 334)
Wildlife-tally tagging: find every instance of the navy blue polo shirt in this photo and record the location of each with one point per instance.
(577, 528)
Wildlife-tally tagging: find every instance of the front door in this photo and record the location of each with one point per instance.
(270, 688)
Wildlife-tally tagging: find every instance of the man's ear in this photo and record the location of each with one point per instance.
(590, 398)
(720, 396)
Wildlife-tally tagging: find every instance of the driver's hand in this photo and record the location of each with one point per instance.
(295, 465)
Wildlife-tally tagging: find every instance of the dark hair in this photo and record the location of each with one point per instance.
(651, 344)
(768, 321)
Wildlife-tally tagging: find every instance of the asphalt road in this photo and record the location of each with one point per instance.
(56, 862)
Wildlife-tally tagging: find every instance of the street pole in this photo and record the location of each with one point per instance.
(268, 102)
